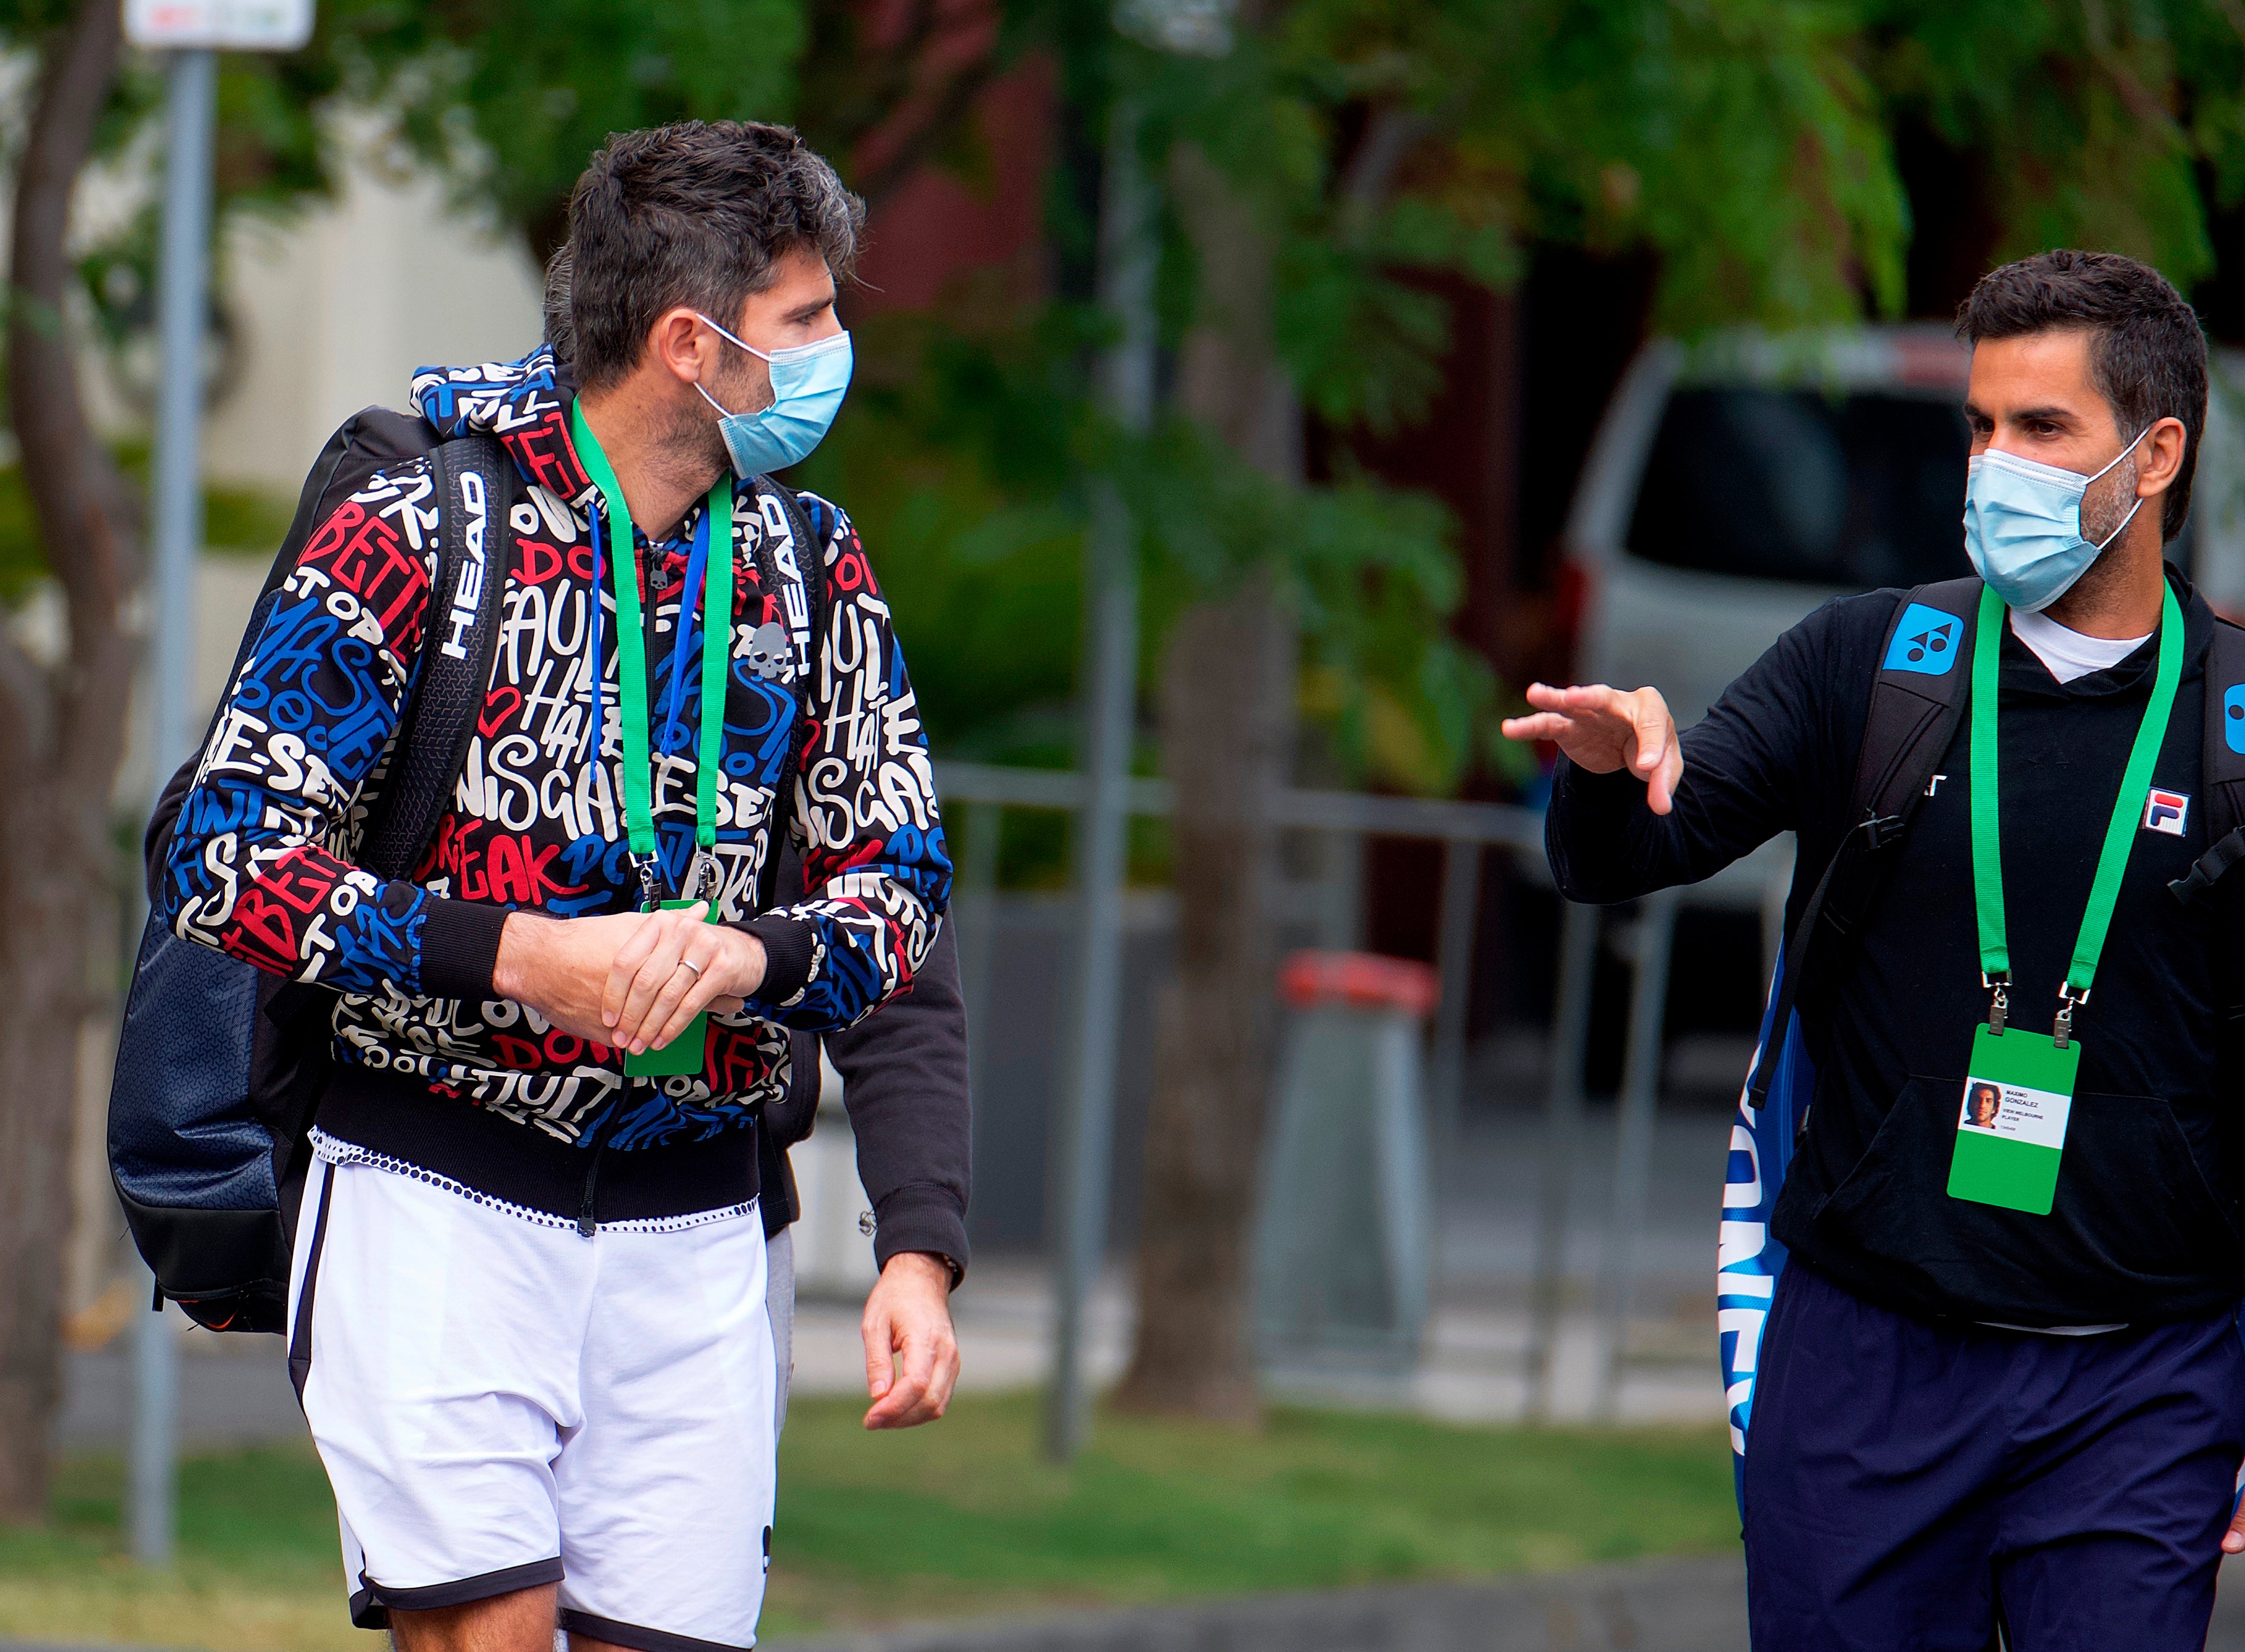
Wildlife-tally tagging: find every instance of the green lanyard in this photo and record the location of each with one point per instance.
(2119, 834)
(631, 665)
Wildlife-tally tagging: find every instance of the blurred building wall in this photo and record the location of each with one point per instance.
(940, 224)
(337, 308)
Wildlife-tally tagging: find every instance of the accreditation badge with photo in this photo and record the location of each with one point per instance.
(2011, 1130)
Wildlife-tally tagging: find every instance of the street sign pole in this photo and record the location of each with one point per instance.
(177, 510)
(191, 34)
(1084, 1138)
(1084, 1143)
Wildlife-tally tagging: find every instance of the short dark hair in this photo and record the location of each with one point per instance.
(560, 326)
(2147, 351)
(693, 214)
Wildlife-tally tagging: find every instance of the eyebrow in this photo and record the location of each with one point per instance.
(804, 312)
(2048, 415)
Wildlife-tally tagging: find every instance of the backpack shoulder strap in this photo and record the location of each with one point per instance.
(1917, 698)
(2223, 774)
(465, 609)
(794, 566)
(2221, 763)
(369, 441)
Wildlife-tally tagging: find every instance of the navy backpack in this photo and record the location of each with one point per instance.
(221, 1066)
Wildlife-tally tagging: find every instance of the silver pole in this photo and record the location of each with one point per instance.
(1562, 1121)
(1640, 1093)
(1454, 959)
(974, 911)
(1084, 1142)
(182, 297)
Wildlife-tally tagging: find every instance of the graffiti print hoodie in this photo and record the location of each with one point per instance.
(435, 1076)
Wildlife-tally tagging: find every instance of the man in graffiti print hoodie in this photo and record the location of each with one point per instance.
(529, 1284)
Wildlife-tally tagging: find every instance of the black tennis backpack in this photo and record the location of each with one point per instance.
(221, 1066)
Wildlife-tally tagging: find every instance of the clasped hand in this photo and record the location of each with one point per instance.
(1602, 729)
(633, 980)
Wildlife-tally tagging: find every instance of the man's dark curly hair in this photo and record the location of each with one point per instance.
(2146, 353)
(695, 213)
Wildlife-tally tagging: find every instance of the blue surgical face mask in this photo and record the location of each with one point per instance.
(2023, 525)
(808, 382)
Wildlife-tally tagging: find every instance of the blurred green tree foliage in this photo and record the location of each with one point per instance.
(1744, 142)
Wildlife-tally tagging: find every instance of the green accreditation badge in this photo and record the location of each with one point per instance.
(685, 1055)
(2018, 1090)
(2010, 1132)
(709, 571)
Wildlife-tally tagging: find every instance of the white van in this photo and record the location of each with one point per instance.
(1737, 483)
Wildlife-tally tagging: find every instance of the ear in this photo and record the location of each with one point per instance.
(2160, 455)
(680, 347)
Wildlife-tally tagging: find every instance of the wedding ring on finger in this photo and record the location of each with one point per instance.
(688, 963)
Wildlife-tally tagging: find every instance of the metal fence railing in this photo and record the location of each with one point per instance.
(977, 794)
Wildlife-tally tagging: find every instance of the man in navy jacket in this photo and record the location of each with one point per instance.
(1972, 1413)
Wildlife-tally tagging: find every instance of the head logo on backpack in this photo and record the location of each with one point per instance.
(468, 592)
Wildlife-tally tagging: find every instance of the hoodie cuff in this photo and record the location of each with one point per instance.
(790, 944)
(459, 949)
(924, 1217)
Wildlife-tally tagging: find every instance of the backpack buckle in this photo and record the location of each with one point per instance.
(2210, 867)
(1880, 830)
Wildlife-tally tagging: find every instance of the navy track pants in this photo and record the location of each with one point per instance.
(1911, 1484)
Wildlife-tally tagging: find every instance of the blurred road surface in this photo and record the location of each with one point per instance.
(1691, 1606)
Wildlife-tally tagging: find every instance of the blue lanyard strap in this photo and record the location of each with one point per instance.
(695, 566)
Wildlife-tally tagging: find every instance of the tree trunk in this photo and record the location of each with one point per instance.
(61, 737)
(1227, 690)
(1227, 726)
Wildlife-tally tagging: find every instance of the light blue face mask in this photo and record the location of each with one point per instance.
(808, 382)
(2023, 525)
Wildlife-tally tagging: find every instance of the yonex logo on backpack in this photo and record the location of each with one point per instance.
(1924, 641)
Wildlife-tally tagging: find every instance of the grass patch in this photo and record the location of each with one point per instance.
(258, 1571)
(967, 1513)
(961, 1518)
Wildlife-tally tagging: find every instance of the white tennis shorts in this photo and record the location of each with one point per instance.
(500, 1403)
